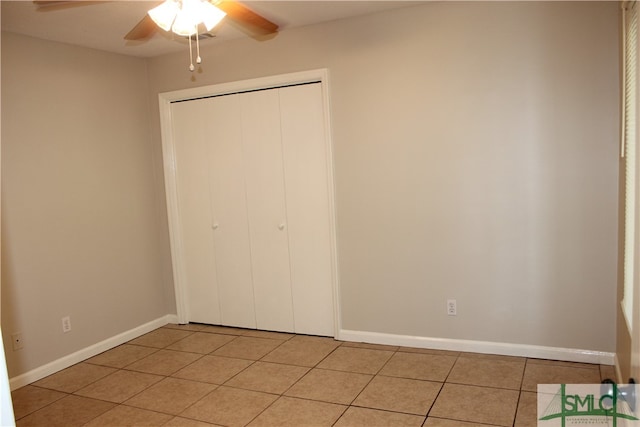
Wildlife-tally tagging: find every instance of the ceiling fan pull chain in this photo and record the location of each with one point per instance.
(191, 67)
(198, 59)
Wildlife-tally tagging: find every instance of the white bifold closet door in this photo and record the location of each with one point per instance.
(230, 231)
(254, 210)
(195, 248)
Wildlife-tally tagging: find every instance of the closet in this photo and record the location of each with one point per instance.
(252, 225)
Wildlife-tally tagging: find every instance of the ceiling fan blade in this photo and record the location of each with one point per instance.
(46, 5)
(242, 14)
(143, 29)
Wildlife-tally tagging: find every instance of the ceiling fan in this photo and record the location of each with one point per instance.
(234, 10)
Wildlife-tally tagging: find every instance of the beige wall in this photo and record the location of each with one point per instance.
(476, 158)
(80, 224)
(475, 151)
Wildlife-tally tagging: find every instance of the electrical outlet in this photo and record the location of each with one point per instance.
(17, 341)
(452, 307)
(66, 324)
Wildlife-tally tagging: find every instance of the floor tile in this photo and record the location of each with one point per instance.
(171, 395)
(161, 338)
(476, 404)
(70, 411)
(288, 411)
(126, 416)
(302, 351)
(226, 330)
(488, 372)
(201, 342)
(213, 369)
(370, 346)
(493, 357)
(164, 362)
(526, 416)
(607, 372)
(186, 422)
(229, 406)
(121, 356)
(358, 417)
(399, 395)
(352, 359)
(251, 348)
(441, 422)
(429, 351)
(315, 340)
(419, 366)
(75, 377)
(194, 327)
(563, 363)
(282, 336)
(29, 399)
(119, 386)
(535, 374)
(268, 377)
(330, 386)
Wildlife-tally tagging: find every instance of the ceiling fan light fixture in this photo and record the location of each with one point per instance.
(183, 18)
(183, 26)
(188, 18)
(165, 14)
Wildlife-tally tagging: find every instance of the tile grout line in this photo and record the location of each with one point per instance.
(441, 388)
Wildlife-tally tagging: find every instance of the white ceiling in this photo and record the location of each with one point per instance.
(102, 25)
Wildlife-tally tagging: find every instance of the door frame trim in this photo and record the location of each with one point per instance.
(170, 179)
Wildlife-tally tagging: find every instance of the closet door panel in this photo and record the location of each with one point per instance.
(262, 151)
(229, 212)
(192, 169)
(307, 195)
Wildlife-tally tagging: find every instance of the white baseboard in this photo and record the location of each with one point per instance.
(86, 353)
(487, 347)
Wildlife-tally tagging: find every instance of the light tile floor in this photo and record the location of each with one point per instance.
(202, 375)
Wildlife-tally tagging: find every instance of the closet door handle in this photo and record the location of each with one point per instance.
(281, 226)
(215, 226)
